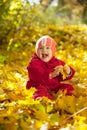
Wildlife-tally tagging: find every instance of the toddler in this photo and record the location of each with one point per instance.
(45, 71)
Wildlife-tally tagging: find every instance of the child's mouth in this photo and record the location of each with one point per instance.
(44, 55)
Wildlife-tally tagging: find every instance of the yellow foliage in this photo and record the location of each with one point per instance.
(38, 124)
(67, 103)
(1, 91)
(3, 97)
(64, 75)
(18, 110)
(8, 85)
(80, 123)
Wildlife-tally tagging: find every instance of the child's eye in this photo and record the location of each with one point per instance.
(48, 47)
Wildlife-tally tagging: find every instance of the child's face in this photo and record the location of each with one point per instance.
(44, 53)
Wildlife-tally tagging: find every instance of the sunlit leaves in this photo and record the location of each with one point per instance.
(18, 110)
(21, 25)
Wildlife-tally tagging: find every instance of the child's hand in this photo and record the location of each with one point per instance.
(66, 69)
(56, 72)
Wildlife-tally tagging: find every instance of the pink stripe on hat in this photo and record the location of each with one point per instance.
(46, 41)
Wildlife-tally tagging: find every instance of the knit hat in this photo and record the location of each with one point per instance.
(46, 41)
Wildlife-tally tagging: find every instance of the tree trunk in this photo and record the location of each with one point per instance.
(45, 4)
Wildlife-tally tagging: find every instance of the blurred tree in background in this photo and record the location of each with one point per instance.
(18, 18)
(73, 9)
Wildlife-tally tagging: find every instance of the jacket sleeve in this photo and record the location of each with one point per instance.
(37, 74)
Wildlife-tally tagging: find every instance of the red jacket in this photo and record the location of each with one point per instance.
(39, 73)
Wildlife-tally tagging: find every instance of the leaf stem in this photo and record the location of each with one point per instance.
(65, 120)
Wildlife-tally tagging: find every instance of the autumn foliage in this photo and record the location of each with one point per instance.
(18, 111)
(18, 35)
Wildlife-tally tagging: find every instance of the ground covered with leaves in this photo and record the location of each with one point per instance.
(18, 111)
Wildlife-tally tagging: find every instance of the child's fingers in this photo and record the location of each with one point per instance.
(54, 73)
(66, 69)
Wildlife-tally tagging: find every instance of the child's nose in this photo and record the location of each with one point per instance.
(44, 49)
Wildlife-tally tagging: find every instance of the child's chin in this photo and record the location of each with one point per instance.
(45, 60)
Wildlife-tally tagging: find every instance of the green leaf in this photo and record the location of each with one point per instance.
(3, 58)
(2, 127)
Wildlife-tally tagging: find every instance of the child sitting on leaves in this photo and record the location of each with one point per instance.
(46, 72)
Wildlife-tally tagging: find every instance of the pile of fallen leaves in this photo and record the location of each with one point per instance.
(19, 111)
